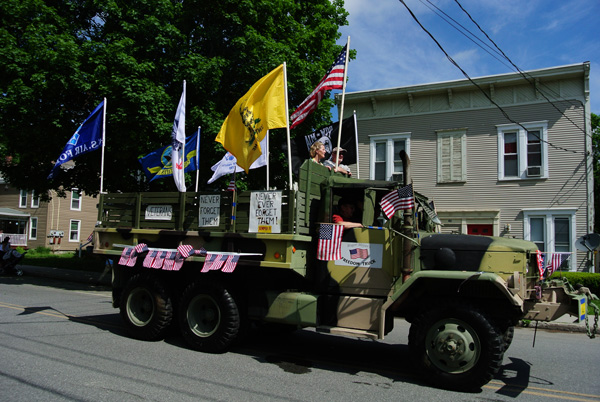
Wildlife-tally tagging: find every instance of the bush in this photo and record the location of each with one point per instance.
(589, 280)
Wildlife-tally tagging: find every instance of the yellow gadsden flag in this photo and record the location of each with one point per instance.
(262, 108)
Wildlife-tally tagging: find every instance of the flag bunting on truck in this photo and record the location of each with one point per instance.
(172, 260)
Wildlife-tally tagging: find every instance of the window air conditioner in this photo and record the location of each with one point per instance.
(534, 171)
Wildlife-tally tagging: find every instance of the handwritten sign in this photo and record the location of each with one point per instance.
(210, 210)
(159, 212)
(265, 212)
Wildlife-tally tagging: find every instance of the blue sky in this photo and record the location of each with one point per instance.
(393, 51)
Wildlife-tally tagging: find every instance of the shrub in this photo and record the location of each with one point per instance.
(589, 280)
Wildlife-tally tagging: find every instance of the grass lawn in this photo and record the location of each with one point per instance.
(44, 258)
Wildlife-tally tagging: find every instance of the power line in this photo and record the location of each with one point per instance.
(504, 113)
(528, 79)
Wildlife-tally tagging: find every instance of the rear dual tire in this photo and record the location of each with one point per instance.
(146, 308)
(209, 318)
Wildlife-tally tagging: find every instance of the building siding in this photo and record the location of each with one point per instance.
(458, 105)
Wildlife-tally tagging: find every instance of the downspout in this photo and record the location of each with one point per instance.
(407, 227)
(589, 213)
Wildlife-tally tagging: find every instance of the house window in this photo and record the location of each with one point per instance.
(23, 199)
(74, 230)
(553, 231)
(451, 156)
(33, 224)
(523, 151)
(35, 200)
(385, 156)
(75, 200)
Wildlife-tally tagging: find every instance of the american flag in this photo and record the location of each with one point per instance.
(330, 242)
(334, 79)
(159, 259)
(231, 186)
(125, 255)
(554, 260)
(540, 264)
(397, 200)
(185, 250)
(140, 248)
(169, 263)
(90, 237)
(213, 262)
(361, 253)
(231, 262)
(150, 258)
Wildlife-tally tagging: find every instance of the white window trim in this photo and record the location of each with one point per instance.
(31, 225)
(548, 215)
(21, 203)
(78, 230)
(374, 138)
(462, 135)
(80, 200)
(35, 201)
(522, 149)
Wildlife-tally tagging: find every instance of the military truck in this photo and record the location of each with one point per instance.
(462, 294)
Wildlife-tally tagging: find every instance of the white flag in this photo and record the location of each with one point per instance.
(178, 144)
(228, 164)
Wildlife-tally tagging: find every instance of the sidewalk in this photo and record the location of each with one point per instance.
(565, 323)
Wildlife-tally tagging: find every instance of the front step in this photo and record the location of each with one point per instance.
(358, 333)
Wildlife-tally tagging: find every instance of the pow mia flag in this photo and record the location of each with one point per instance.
(328, 136)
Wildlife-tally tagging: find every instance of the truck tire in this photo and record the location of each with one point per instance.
(146, 308)
(209, 317)
(456, 347)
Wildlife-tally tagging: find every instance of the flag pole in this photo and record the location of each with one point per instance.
(287, 124)
(103, 145)
(267, 157)
(356, 140)
(341, 115)
(197, 158)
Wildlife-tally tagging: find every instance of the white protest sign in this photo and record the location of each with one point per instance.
(265, 212)
(159, 212)
(210, 210)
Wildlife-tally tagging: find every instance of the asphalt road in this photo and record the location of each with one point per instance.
(63, 341)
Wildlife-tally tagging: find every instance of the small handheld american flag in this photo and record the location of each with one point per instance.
(396, 200)
(330, 242)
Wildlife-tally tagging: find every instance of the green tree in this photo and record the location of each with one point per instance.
(596, 157)
(59, 58)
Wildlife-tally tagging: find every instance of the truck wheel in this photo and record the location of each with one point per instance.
(146, 308)
(456, 347)
(507, 337)
(209, 317)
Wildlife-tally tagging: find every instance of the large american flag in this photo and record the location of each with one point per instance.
(396, 200)
(330, 242)
(334, 79)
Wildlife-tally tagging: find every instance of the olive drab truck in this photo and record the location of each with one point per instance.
(213, 263)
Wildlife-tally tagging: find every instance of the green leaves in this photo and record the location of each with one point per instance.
(59, 59)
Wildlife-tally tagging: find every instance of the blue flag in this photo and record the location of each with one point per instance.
(87, 138)
(158, 164)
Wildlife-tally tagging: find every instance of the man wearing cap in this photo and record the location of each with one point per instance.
(341, 167)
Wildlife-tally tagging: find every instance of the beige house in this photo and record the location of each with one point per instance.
(62, 224)
(503, 155)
